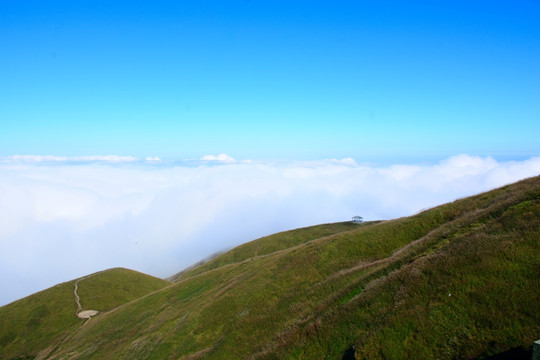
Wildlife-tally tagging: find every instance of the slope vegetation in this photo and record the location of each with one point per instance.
(267, 245)
(456, 281)
(30, 325)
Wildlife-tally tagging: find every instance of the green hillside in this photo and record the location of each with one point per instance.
(267, 245)
(457, 281)
(32, 324)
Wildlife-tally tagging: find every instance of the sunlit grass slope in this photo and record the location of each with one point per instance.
(267, 245)
(457, 281)
(115, 287)
(30, 325)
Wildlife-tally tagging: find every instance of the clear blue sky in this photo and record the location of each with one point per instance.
(270, 79)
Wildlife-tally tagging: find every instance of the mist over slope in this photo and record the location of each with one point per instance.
(458, 280)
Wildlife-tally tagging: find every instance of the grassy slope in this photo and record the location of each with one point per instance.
(33, 323)
(459, 280)
(128, 285)
(267, 245)
(30, 324)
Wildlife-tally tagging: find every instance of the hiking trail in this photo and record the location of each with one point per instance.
(82, 314)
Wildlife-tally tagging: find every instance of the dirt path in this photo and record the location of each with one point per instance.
(82, 314)
(77, 299)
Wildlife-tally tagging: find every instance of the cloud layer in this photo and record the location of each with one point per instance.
(70, 159)
(63, 219)
(221, 158)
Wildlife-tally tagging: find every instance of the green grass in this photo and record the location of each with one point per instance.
(32, 323)
(115, 287)
(269, 244)
(45, 318)
(457, 281)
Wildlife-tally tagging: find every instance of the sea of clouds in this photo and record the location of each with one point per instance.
(65, 217)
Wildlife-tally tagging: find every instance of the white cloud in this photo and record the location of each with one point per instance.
(153, 159)
(347, 161)
(159, 219)
(107, 158)
(221, 158)
(55, 159)
(34, 158)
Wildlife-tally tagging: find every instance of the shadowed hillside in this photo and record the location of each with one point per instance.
(456, 281)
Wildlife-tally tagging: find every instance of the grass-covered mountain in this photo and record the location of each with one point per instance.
(461, 280)
(36, 324)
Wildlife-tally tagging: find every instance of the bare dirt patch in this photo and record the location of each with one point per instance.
(87, 314)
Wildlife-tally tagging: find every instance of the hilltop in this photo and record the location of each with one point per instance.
(32, 324)
(456, 281)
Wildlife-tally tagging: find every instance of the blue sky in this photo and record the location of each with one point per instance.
(270, 80)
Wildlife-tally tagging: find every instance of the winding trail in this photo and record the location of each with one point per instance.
(77, 299)
(82, 314)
